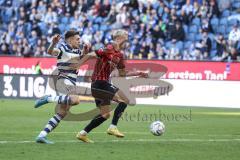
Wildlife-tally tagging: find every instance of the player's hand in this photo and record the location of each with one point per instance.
(56, 38)
(86, 48)
(143, 75)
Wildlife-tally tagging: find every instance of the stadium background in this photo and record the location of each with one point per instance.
(197, 40)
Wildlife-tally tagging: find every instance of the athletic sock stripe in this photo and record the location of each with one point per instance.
(60, 100)
(55, 119)
(50, 127)
(65, 100)
(52, 124)
(59, 116)
(47, 130)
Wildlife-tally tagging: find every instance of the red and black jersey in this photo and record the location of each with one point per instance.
(108, 60)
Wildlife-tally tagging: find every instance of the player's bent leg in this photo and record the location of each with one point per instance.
(96, 121)
(52, 124)
(74, 100)
(123, 101)
(120, 97)
(63, 99)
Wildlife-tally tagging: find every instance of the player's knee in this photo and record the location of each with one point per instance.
(126, 100)
(74, 100)
(63, 110)
(62, 114)
(106, 115)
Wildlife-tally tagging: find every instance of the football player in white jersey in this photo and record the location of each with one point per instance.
(69, 58)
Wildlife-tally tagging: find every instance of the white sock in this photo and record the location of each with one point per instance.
(112, 126)
(52, 98)
(42, 134)
(64, 99)
(82, 132)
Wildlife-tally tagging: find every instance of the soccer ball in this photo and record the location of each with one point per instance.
(157, 128)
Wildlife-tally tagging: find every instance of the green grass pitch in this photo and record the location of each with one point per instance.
(191, 133)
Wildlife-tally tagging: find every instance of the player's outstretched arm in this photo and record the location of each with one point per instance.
(82, 60)
(124, 73)
(51, 50)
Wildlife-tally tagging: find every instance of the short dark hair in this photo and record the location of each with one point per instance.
(71, 33)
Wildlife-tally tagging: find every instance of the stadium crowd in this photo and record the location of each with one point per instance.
(160, 29)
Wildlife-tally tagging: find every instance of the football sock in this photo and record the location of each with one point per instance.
(99, 119)
(118, 112)
(64, 99)
(52, 123)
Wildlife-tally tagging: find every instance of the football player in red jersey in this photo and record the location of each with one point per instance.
(108, 59)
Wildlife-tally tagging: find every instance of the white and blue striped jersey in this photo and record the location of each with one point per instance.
(64, 61)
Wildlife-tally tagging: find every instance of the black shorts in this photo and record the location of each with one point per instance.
(103, 92)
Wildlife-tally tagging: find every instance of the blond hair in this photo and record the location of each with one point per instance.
(119, 32)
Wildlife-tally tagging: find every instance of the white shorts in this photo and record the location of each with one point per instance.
(65, 87)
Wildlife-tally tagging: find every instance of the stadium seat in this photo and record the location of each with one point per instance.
(226, 13)
(233, 12)
(185, 27)
(95, 27)
(187, 44)
(196, 21)
(168, 44)
(198, 37)
(213, 53)
(180, 45)
(228, 30)
(221, 29)
(65, 20)
(236, 5)
(43, 26)
(214, 45)
(215, 28)
(61, 27)
(98, 20)
(193, 29)
(191, 37)
(223, 21)
(232, 22)
(71, 19)
(103, 27)
(135, 12)
(214, 21)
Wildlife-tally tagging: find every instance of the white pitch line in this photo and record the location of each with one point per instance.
(132, 140)
(133, 133)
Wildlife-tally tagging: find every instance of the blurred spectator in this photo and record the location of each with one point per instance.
(187, 12)
(173, 52)
(122, 17)
(157, 33)
(50, 16)
(204, 10)
(26, 26)
(104, 8)
(206, 41)
(214, 10)
(234, 35)
(221, 45)
(223, 5)
(204, 46)
(206, 25)
(111, 18)
(177, 33)
(72, 7)
(4, 49)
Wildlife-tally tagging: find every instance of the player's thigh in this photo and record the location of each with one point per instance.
(65, 87)
(120, 97)
(103, 92)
